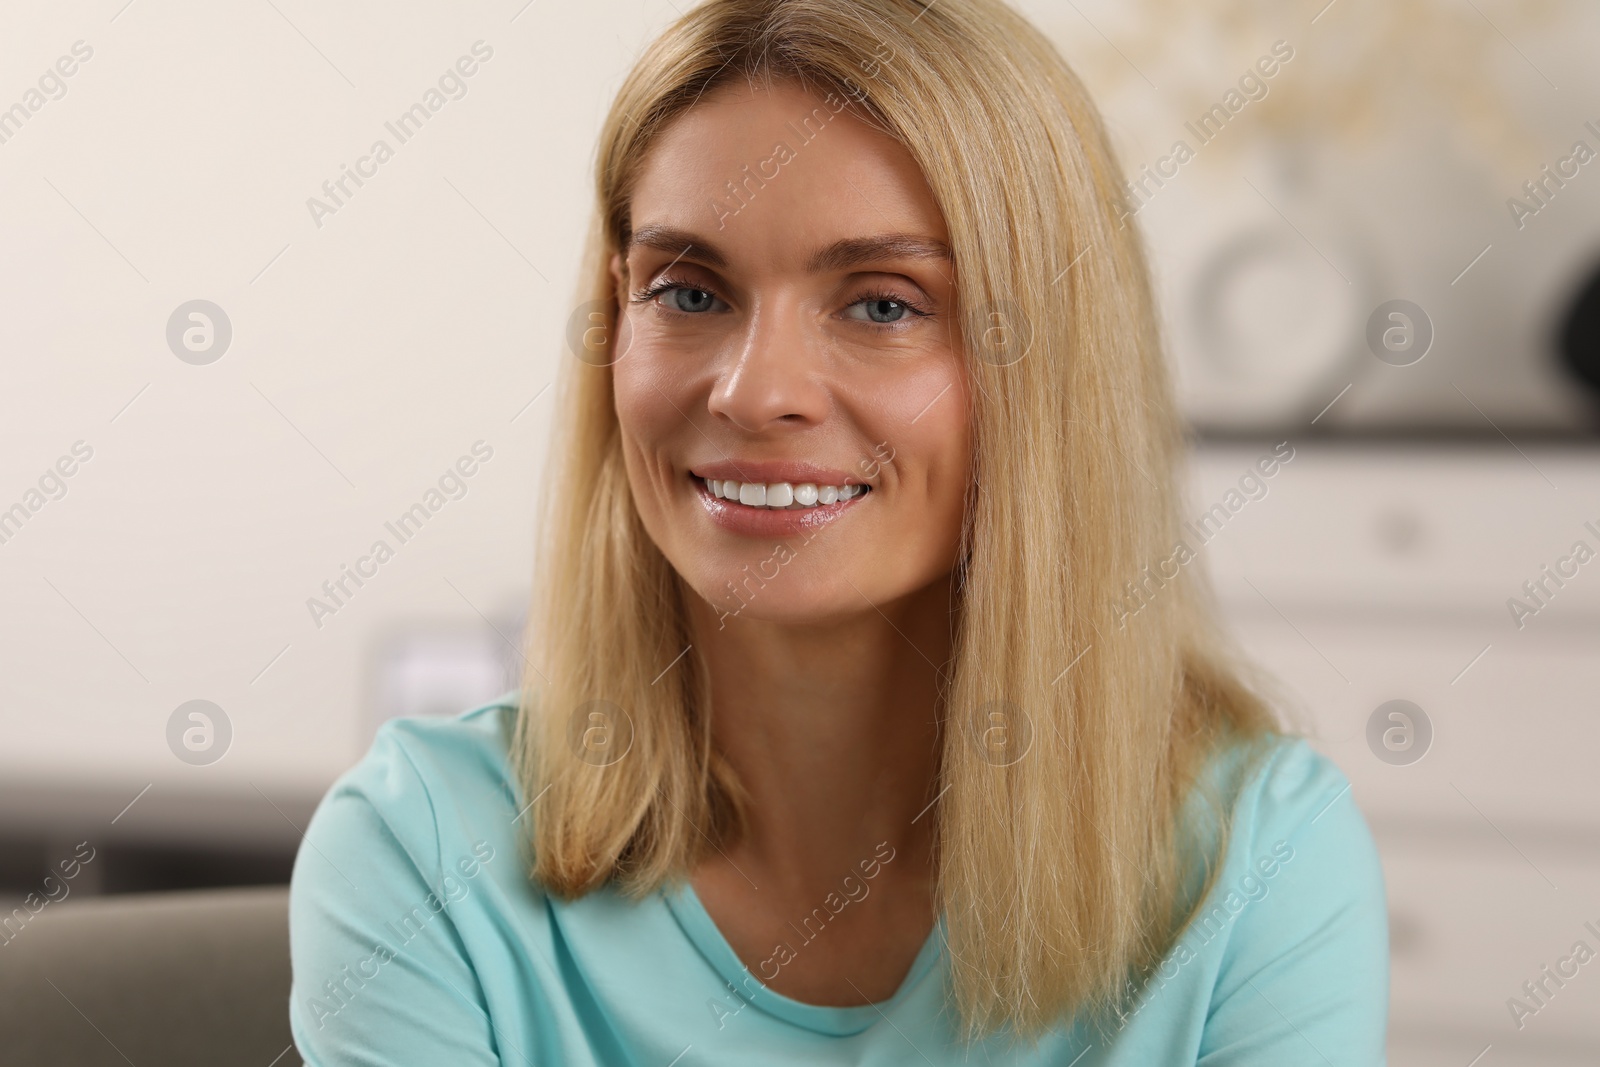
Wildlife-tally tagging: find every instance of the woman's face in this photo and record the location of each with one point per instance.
(791, 394)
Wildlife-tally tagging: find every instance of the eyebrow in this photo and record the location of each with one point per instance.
(841, 255)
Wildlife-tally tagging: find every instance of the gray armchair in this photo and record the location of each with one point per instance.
(182, 979)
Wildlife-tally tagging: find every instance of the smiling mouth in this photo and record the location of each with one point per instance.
(780, 496)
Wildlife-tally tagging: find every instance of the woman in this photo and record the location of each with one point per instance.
(860, 722)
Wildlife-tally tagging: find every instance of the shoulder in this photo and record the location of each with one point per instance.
(1293, 787)
(1289, 805)
(407, 869)
(459, 753)
(1296, 922)
(424, 783)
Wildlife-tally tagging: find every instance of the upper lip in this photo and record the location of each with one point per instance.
(771, 470)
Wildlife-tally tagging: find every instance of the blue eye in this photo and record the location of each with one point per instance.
(892, 309)
(676, 301)
(687, 298)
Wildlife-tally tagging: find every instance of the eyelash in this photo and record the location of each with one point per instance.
(666, 285)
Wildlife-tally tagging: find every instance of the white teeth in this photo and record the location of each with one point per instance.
(781, 495)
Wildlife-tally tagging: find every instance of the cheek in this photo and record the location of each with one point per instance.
(925, 424)
(651, 429)
(916, 428)
(647, 401)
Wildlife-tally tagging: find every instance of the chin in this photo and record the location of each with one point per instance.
(755, 592)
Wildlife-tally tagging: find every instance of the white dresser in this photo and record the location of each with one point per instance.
(1377, 571)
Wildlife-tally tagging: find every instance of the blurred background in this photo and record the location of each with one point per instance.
(1375, 225)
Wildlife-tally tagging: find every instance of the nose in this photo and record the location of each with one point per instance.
(773, 375)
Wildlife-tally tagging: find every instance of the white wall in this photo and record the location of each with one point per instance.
(368, 354)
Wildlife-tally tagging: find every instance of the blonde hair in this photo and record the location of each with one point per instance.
(1065, 873)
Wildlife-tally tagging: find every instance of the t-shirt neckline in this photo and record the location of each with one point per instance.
(836, 1020)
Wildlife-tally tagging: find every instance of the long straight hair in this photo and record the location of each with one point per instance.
(1064, 868)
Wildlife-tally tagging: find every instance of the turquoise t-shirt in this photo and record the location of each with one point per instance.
(417, 939)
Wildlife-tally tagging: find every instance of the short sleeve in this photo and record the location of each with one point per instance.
(1305, 975)
(381, 977)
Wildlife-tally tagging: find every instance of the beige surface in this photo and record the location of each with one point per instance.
(177, 979)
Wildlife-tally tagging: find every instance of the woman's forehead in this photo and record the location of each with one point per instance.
(756, 166)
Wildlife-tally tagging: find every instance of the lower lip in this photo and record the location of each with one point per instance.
(771, 522)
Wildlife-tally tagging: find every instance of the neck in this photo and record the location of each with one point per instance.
(833, 730)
